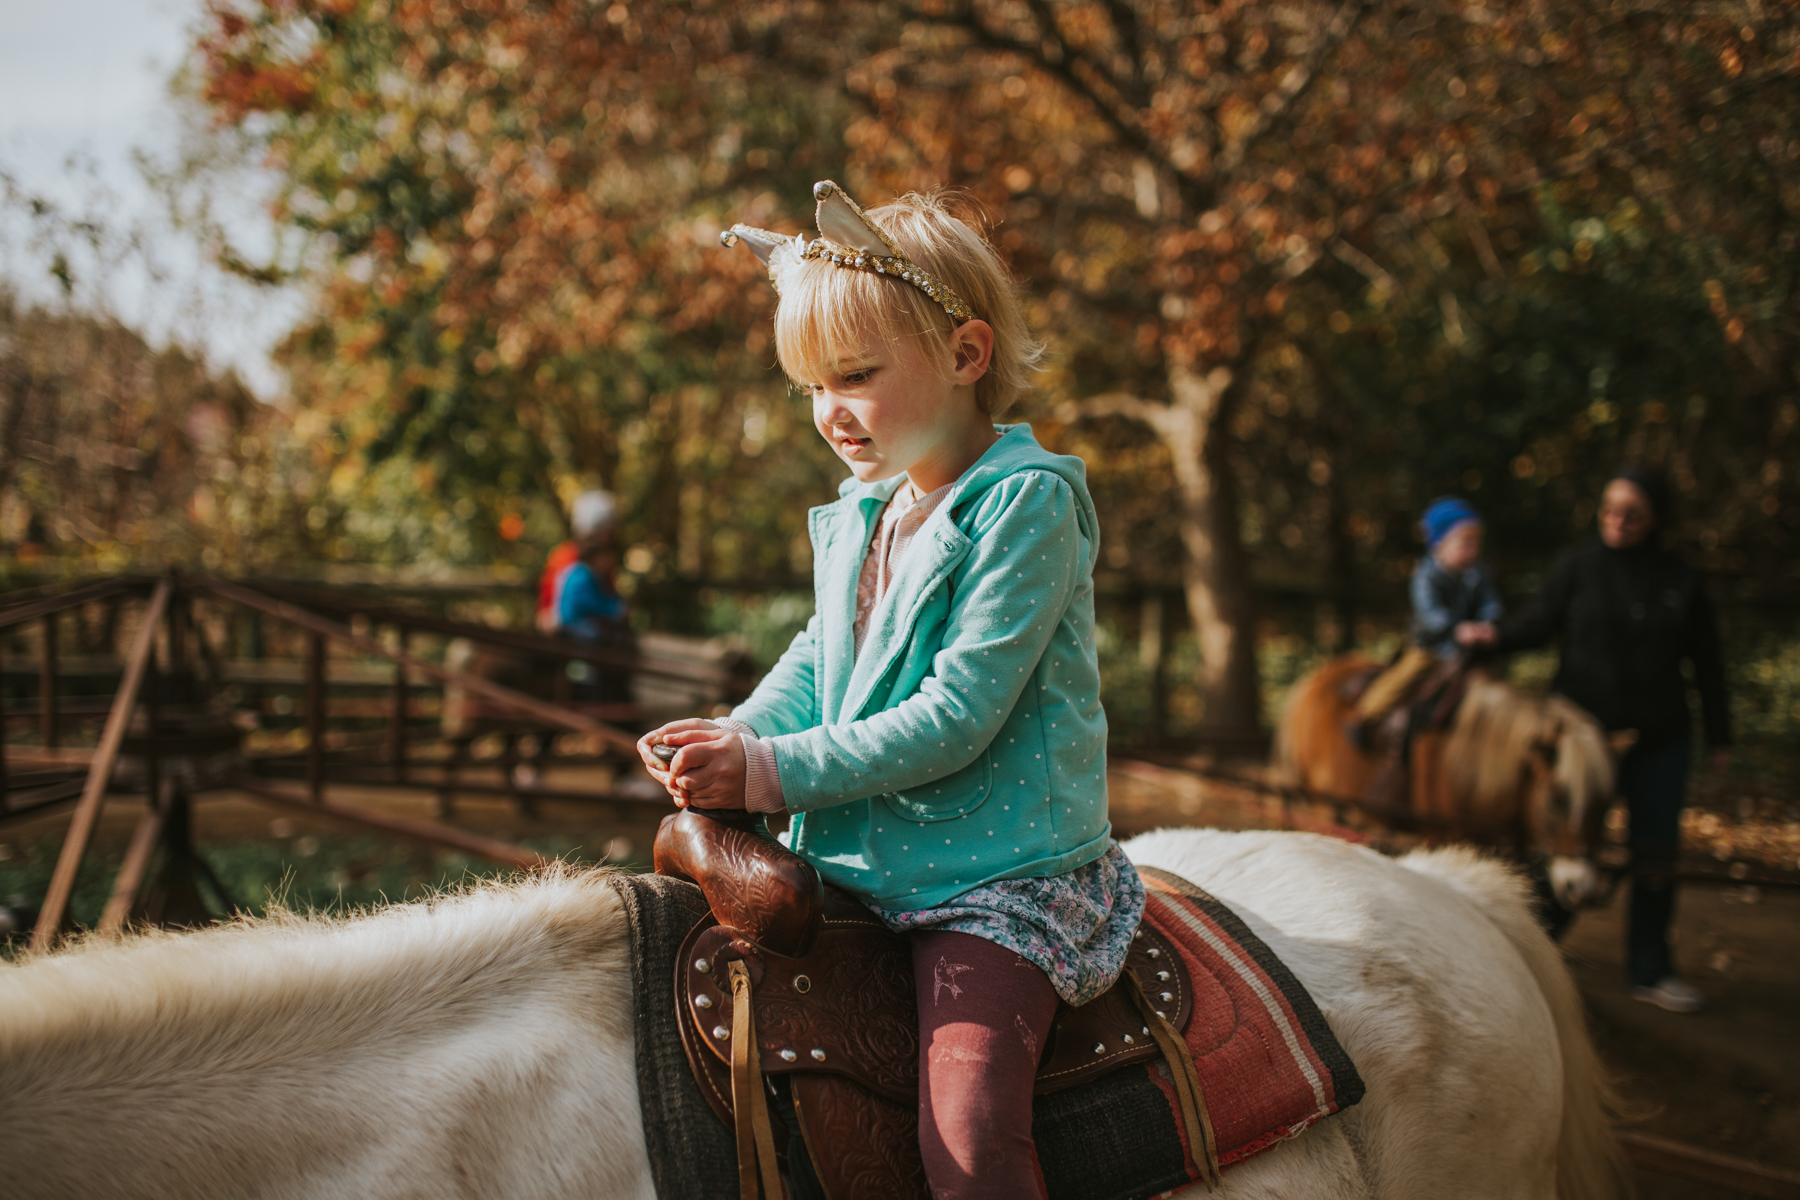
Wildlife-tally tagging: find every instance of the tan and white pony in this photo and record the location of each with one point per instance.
(1532, 774)
(480, 1046)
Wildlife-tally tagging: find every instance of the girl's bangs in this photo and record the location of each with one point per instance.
(830, 315)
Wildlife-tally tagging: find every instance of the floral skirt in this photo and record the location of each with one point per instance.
(1075, 927)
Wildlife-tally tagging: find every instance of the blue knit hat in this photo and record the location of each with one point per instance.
(1444, 514)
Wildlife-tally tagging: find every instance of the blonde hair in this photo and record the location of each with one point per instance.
(825, 310)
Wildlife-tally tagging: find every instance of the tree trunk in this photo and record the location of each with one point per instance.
(1216, 575)
(1340, 561)
(1335, 430)
(1153, 656)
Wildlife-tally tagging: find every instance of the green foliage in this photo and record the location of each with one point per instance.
(1765, 686)
(516, 213)
(767, 623)
(1601, 349)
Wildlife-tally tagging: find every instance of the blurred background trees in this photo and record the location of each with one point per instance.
(133, 453)
(1239, 190)
(517, 208)
(1303, 267)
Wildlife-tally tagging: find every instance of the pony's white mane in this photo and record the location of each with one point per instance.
(440, 946)
(237, 1051)
(1494, 731)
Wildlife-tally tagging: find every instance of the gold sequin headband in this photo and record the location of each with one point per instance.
(847, 239)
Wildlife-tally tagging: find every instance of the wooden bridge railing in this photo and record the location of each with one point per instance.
(166, 611)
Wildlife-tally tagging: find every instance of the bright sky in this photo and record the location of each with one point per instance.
(88, 80)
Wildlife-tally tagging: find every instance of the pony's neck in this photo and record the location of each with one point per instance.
(289, 1048)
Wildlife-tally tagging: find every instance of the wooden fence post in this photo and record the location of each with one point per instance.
(87, 809)
(178, 631)
(47, 716)
(315, 716)
(137, 861)
(152, 697)
(397, 727)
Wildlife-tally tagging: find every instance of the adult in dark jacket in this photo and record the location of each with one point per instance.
(1627, 612)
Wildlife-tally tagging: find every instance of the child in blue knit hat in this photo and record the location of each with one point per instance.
(1454, 601)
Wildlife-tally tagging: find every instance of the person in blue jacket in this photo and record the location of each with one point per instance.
(1455, 601)
(586, 605)
(936, 730)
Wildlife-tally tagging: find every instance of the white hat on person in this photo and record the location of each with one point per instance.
(593, 512)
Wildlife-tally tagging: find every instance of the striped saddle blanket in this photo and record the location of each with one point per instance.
(1268, 1064)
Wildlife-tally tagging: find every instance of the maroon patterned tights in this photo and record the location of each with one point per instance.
(984, 1013)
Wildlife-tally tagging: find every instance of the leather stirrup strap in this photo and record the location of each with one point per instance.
(749, 1106)
(1194, 1116)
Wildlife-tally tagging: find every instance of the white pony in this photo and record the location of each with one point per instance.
(481, 1045)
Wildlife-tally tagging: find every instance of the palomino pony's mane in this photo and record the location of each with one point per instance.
(1496, 727)
(185, 999)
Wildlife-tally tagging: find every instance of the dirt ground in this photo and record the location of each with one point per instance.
(1727, 1079)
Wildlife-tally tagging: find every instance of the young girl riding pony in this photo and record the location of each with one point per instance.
(936, 730)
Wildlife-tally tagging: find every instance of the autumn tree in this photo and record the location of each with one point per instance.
(1185, 174)
(114, 454)
(1219, 207)
(1627, 299)
(515, 209)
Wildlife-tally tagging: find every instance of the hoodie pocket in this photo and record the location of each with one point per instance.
(954, 796)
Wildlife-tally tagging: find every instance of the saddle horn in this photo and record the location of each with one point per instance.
(765, 893)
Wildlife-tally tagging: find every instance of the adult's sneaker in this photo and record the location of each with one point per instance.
(1673, 993)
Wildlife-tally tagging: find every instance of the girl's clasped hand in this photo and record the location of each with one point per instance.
(707, 770)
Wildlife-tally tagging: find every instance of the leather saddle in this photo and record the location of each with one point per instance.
(1426, 707)
(801, 985)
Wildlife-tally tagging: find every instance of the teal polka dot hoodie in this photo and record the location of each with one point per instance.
(966, 744)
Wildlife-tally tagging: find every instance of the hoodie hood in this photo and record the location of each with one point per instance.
(1016, 450)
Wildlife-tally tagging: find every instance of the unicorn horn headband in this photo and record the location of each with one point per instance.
(847, 239)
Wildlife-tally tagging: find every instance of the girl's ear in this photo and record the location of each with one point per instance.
(971, 350)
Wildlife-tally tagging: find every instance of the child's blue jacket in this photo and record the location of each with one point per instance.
(583, 601)
(966, 744)
(1442, 600)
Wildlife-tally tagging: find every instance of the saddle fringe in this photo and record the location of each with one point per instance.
(1194, 1115)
